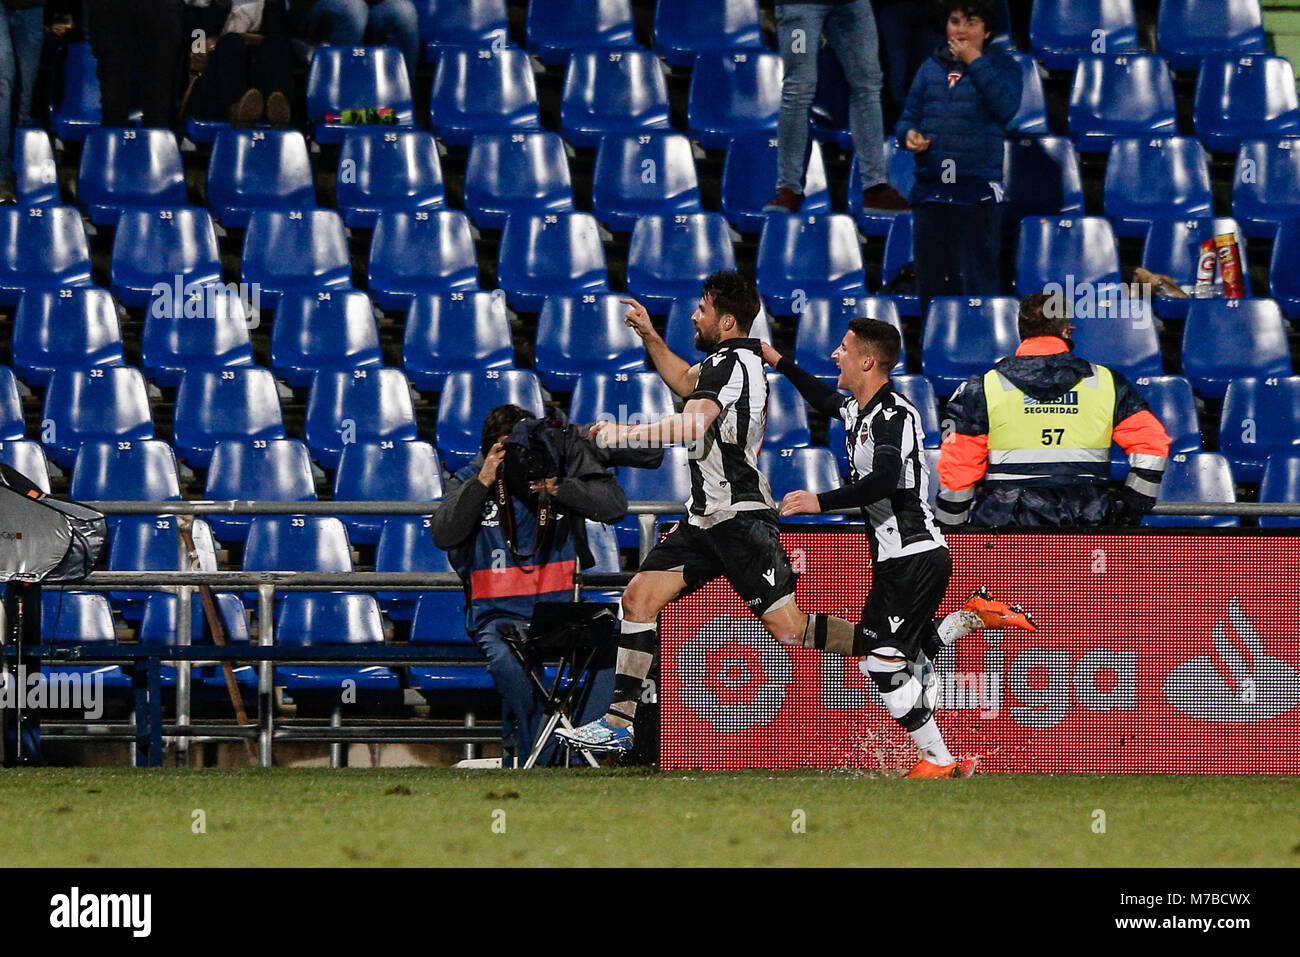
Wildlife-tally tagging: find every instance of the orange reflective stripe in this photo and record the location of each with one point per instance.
(1142, 433)
(521, 580)
(963, 460)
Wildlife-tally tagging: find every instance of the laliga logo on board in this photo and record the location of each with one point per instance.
(733, 674)
(1230, 687)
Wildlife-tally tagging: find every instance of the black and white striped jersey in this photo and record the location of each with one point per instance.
(724, 464)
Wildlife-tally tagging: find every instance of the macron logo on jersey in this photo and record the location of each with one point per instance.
(894, 624)
(770, 577)
(888, 413)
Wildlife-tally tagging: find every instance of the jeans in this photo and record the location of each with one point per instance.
(957, 250)
(521, 700)
(351, 22)
(851, 30)
(21, 33)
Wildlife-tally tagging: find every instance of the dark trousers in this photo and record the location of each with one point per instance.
(957, 250)
(236, 67)
(127, 35)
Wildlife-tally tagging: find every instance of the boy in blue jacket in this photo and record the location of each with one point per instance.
(955, 122)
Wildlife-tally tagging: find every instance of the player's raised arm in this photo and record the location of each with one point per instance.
(672, 368)
(685, 426)
(816, 393)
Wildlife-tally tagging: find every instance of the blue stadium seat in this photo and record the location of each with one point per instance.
(818, 255)
(823, 324)
(732, 94)
(287, 251)
(617, 397)
(1031, 117)
(143, 543)
(129, 169)
(1173, 248)
(1260, 418)
(1281, 483)
(1226, 339)
(749, 181)
(210, 333)
(440, 622)
(612, 91)
(901, 173)
(213, 405)
(580, 334)
(1244, 98)
(36, 177)
(516, 173)
(41, 247)
(1121, 334)
(1054, 248)
(787, 414)
(462, 23)
(356, 78)
(267, 470)
(1155, 178)
(384, 471)
(558, 27)
(1060, 33)
(898, 253)
(603, 542)
(671, 482)
(406, 545)
(1196, 477)
(679, 331)
(323, 330)
(158, 626)
(12, 426)
(684, 28)
(152, 247)
(1173, 403)
(645, 174)
(485, 90)
(1188, 30)
(965, 337)
(1266, 185)
(357, 406)
(82, 405)
(331, 618)
(65, 329)
(1283, 277)
(258, 169)
(385, 168)
(671, 255)
(557, 254)
(76, 618)
(1127, 94)
(78, 111)
(144, 470)
(297, 543)
(460, 332)
(467, 398)
(788, 470)
(1042, 178)
(918, 390)
(421, 252)
(27, 458)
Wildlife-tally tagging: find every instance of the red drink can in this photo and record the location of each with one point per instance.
(1205, 268)
(1234, 287)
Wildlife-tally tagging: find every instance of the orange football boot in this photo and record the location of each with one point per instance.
(998, 614)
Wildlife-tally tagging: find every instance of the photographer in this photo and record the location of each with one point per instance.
(510, 560)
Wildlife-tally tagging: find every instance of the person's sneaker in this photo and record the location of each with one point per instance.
(248, 110)
(786, 200)
(7, 195)
(884, 197)
(277, 109)
(963, 768)
(998, 614)
(597, 737)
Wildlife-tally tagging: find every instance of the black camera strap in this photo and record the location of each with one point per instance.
(506, 516)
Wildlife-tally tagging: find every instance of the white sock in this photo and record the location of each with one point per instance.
(929, 741)
(958, 625)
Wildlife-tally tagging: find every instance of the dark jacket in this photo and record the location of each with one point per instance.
(965, 121)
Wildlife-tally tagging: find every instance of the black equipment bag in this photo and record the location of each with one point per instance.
(43, 539)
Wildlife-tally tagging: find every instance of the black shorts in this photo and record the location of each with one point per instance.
(746, 550)
(905, 595)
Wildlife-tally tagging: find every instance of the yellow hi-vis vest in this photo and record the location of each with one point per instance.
(1058, 442)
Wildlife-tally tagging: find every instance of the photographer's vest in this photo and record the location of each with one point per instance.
(1054, 442)
(499, 583)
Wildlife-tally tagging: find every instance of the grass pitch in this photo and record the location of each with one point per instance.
(421, 817)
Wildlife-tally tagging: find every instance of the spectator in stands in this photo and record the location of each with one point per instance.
(246, 70)
(955, 121)
(504, 567)
(131, 35)
(851, 30)
(907, 35)
(356, 22)
(21, 30)
(1036, 430)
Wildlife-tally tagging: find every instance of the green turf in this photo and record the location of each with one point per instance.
(421, 816)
